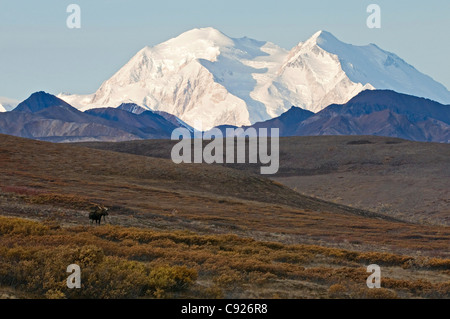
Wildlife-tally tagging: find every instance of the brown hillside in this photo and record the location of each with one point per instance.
(44, 180)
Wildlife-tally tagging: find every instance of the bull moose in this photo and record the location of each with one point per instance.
(97, 212)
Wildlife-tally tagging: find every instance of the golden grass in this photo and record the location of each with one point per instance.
(119, 262)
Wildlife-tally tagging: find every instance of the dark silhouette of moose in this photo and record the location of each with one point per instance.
(97, 212)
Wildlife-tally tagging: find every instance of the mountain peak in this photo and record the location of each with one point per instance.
(132, 108)
(322, 38)
(321, 34)
(208, 32)
(199, 38)
(326, 36)
(39, 101)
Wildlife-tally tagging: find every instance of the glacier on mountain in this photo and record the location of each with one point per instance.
(204, 75)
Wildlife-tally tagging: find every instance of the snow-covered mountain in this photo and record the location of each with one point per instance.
(381, 69)
(204, 75)
(7, 104)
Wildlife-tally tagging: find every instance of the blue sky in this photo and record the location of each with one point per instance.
(38, 51)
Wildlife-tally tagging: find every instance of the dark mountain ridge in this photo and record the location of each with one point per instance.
(372, 112)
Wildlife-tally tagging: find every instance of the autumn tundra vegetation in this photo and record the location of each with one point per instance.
(198, 231)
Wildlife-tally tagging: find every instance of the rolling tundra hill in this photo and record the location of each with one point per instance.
(220, 232)
(394, 177)
(155, 191)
